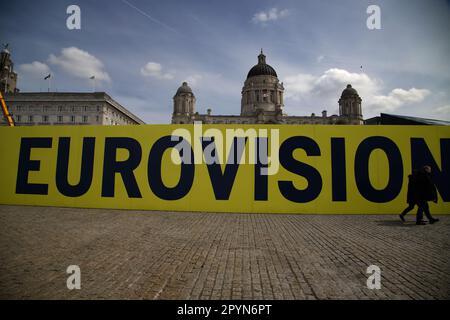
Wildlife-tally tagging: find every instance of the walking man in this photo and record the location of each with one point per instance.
(411, 197)
(426, 191)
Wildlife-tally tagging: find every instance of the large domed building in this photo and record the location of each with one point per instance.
(262, 103)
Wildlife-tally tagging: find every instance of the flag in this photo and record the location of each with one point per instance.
(47, 77)
(92, 78)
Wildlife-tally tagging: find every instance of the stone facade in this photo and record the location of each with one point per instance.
(59, 108)
(64, 108)
(8, 78)
(262, 102)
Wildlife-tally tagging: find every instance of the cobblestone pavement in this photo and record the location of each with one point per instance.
(167, 255)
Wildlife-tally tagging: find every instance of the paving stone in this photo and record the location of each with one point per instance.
(125, 254)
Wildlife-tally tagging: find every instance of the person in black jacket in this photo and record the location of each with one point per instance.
(411, 198)
(426, 191)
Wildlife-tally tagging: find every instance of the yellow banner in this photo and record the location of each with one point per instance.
(223, 168)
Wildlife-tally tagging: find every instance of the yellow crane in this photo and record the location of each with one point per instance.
(9, 119)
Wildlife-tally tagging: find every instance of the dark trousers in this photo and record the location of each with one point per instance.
(408, 209)
(423, 208)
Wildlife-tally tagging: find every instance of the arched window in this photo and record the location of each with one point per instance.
(264, 95)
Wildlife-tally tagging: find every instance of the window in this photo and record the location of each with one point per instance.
(45, 118)
(97, 118)
(60, 119)
(86, 108)
(18, 118)
(98, 108)
(73, 108)
(60, 109)
(85, 119)
(72, 118)
(30, 118)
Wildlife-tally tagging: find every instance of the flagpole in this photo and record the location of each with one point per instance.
(93, 82)
(49, 83)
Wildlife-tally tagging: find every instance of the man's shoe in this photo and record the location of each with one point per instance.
(433, 221)
(402, 217)
(421, 223)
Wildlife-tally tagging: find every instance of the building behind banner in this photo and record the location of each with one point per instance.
(262, 102)
(68, 108)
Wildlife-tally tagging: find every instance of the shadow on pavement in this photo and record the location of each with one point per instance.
(396, 223)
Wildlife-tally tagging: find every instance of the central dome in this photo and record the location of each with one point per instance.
(262, 68)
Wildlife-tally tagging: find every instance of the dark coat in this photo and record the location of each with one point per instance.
(412, 196)
(426, 190)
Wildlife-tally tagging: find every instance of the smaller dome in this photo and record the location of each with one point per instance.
(349, 92)
(184, 89)
(5, 48)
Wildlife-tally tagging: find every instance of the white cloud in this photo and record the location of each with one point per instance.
(80, 63)
(336, 80)
(35, 69)
(298, 85)
(397, 98)
(154, 69)
(327, 88)
(411, 95)
(329, 84)
(270, 15)
(444, 110)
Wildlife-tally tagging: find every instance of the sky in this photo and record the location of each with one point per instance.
(141, 51)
